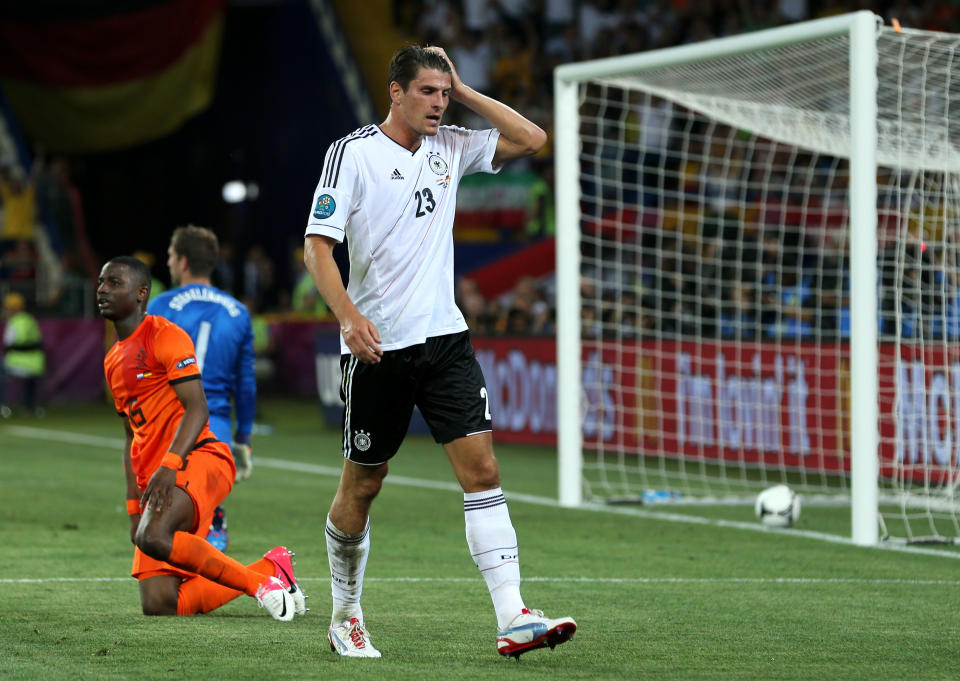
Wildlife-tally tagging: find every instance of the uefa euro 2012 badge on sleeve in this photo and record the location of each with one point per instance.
(325, 207)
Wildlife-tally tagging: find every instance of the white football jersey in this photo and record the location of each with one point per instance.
(396, 209)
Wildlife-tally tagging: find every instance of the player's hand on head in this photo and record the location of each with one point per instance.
(157, 496)
(455, 81)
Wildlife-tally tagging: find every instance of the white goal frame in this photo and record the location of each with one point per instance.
(861, 27)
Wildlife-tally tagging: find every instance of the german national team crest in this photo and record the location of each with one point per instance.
(437, 164)
(325, 207)
(362, 440)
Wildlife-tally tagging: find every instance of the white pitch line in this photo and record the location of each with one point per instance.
(563, 580)
(333, 471)
(62, 436)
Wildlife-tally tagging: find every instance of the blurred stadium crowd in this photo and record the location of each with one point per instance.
(508, 49)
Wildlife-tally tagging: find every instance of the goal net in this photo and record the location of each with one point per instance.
(759, 274)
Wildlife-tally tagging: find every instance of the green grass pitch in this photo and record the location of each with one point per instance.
(654, 597)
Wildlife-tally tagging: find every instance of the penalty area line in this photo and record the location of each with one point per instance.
(334, 471)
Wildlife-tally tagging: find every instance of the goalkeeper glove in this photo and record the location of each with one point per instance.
(243, 458)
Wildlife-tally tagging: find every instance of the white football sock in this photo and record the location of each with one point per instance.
(493, 545)
(347, 555)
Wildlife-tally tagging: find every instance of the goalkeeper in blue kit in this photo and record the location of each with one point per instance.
(220, 327)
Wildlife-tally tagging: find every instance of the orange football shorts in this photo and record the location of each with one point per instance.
(208, 479)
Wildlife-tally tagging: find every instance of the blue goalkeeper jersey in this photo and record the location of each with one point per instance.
(220, 327)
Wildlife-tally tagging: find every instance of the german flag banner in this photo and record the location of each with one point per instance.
(84, 83)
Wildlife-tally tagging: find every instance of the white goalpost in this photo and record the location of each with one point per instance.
(758, 273)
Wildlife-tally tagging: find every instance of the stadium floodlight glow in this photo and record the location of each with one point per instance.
(234, 191)
(721, 325)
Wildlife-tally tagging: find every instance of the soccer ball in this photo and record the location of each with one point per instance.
(778, 506)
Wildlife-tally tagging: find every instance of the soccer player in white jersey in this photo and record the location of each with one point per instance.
(391, 189)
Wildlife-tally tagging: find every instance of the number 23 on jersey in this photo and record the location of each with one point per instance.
(425, 201)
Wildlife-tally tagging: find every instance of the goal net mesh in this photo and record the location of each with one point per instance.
(715, 278)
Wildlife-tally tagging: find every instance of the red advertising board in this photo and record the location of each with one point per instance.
(521, 376)
(783, 405)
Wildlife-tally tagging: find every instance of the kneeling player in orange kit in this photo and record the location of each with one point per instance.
(177, 471)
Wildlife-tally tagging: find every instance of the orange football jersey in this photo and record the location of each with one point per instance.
(141, 371)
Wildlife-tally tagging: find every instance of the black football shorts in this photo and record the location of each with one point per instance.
(442, 377)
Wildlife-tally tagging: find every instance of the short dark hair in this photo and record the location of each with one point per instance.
(139, 269)
(408, 60)
(199, 246)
